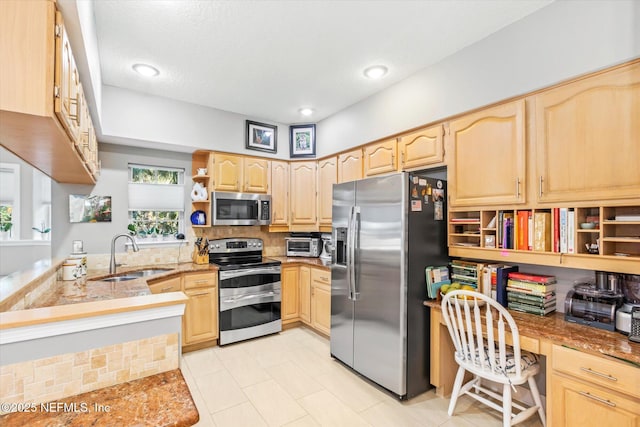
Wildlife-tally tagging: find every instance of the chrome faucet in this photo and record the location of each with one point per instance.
(112, 263)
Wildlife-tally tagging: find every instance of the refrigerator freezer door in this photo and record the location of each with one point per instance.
(380, 307)
(341, 303)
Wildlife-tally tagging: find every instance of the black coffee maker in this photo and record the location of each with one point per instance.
(595, 304)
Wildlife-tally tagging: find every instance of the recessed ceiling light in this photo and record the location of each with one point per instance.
(146, 70)
(375, 71)
(306, 111)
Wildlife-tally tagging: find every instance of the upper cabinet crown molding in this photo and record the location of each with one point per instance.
(587, 138)
(42, 105)
(487, 161)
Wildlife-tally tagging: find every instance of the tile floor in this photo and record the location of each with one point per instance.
(290, 379)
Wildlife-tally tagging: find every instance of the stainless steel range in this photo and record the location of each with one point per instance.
(250, 290)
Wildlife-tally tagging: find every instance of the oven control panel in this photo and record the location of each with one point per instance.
(234, 245)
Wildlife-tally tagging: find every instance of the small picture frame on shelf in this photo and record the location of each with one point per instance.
(302, 141)
(262, 137)
(490, 241)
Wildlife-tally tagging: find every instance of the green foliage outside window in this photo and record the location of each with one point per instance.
(6, 218)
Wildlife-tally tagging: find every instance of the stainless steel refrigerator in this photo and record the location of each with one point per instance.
(386, 230)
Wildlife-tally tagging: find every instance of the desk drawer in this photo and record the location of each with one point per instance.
(597, 370)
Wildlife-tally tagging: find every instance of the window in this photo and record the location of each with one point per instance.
(156, 202)
(9, 201)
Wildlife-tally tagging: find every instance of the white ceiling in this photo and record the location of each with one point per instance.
(266, 59)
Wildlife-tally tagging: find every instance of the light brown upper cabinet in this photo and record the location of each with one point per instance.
(327, 176)
(279, 193)
(588, 138)
(487, 162)
(421, 148)
(227, 172)
(41, 102)
(380, 157)
(350, 165)
(257, 174)
(67, 83)
(303, 195)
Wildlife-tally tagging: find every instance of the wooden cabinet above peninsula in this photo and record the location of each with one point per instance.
(42, 104)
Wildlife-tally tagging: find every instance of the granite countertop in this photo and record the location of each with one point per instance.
(91, 288)
(158, 400)
(315, 262)
(554, 328)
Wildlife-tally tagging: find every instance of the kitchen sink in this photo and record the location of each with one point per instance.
(147, 272)
(119, 278)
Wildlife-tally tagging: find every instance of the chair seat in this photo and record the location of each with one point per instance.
(527, 359)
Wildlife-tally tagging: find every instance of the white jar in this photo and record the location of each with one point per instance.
(71, 271)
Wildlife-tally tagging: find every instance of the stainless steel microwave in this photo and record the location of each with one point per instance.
(303, 246)
(240, 208)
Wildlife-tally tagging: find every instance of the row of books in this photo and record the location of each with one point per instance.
(540, 231)
(436, 277)
(531, 293)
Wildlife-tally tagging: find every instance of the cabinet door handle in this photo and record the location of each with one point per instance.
(540, 187)
(198, 282)
(600, 374)
(402, 157)
(597, 399)
(199, 295)
(517, 188)
(168, 288)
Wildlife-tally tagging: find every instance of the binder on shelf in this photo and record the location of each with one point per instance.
(542, 231)
(563, 230)
(571, 231)
(502, 276)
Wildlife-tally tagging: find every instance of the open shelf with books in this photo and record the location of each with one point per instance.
(590, 237)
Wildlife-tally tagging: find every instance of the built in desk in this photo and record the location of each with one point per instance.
(605, 361)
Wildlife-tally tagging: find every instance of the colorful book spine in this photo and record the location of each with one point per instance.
(556, 230)
(563, 231)
(523, 231)
(525, 308)
(571, 231)
(540, 287)
(502, 276)
(542, 231)
(530, 228)
(532, 299)
(531, 277)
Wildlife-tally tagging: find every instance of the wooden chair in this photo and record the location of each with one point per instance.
(473, 319)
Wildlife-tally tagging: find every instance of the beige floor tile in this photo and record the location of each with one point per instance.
(352, 390)
(203, 361)
(230, 351)
(459, 422)
(243, 415)
(310, 362)
(328, 410)
(426, 408)
(386, 414)
(303, 422)
(246, 371)
(273, 403)
(201, 406)
(294, 380)
(220, 391)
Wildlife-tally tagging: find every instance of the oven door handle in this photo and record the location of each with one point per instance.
(249, 272)
(230, 303)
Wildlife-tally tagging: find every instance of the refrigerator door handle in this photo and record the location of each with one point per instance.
(354, 246)
(349, 254)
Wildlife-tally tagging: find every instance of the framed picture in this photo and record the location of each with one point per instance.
(262, 137)
(84, 208)
(302, 140)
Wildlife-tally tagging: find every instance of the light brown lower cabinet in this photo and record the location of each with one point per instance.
(306, 297)
(305, 294)
(290, 305)
(200, 321)
(577, 403)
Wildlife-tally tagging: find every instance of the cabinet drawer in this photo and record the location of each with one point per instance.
(598, 370)
(200, 280)
(321, 275)
(169, 285)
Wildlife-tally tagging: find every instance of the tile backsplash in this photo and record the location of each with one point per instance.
(69, 374)
(273, 246)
